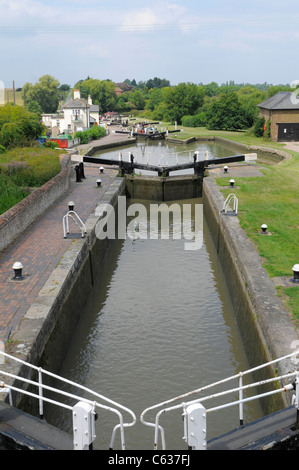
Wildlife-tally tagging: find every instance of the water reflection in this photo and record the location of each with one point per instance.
(166, 154)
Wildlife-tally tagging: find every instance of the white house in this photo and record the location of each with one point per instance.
(78, 114)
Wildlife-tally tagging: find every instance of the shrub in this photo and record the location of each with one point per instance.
(258, 128)
(95, 132)
(199, 120)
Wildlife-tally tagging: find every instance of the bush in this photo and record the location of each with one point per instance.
(95, 132)
(258, 128)
(199, 120)
(18, 127)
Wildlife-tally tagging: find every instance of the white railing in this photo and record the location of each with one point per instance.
(227, 202)
(195, 414)
(84, 410)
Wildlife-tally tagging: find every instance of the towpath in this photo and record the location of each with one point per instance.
(42, 245)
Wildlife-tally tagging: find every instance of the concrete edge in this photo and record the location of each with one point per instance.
(270, 315)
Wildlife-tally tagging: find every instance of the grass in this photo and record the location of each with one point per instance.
(22, 169)
(273, 200)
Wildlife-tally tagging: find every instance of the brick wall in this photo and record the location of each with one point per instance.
(287, 116)
(14, 221)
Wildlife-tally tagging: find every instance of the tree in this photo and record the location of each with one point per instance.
(183, 99)
(155, 98)
(211, 89)
(45, 93)
(157, 83)
(102, 93)
(64, 87)
(226, 113)
(18, 126)
(136, 97)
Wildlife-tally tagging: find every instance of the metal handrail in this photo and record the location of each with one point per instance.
(227, 203)
(241, 388)
(41, 387)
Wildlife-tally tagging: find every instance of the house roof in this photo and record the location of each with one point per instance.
(124, 86)
(94, 108)
(282, 100)
(77, 103)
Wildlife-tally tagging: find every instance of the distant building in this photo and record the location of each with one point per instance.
(122, 87)
(282, 110)
(78, 114)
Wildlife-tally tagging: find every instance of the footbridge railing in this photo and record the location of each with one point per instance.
(84, 410)
(195, 411)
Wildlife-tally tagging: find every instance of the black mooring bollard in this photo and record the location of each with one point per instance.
(81, 166)
(71, 205)
(78, 174)
(17, 267)
(295, 273)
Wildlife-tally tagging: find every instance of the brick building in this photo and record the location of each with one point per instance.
(282, 110)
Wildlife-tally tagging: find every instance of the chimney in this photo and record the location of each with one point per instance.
(89, 100)
(77, 94)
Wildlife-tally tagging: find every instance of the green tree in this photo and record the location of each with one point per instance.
(157, 83)
(45, 92)
(183, 99)
(155, 98)
(211, 89)
(102, 93)
(226, 113)
(18, 127)
(136, 97)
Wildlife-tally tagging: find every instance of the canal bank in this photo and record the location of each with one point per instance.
(41, 337)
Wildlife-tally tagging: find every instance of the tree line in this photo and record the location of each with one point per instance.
(228, 106)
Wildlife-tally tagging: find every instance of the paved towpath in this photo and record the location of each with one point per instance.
(42, 245)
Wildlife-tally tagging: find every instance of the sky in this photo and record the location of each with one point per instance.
(253, 41)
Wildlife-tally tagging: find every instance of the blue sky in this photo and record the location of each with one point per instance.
(194, 41)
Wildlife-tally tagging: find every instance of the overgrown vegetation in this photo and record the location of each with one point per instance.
(23, 169)
(18, 127)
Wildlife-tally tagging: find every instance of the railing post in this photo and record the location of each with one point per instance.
(241, 411)
(196, 426)
(296, 400)
(83, 426)
(40, 393)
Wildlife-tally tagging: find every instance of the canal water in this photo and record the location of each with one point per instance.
(165, 153)
(160, 323)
